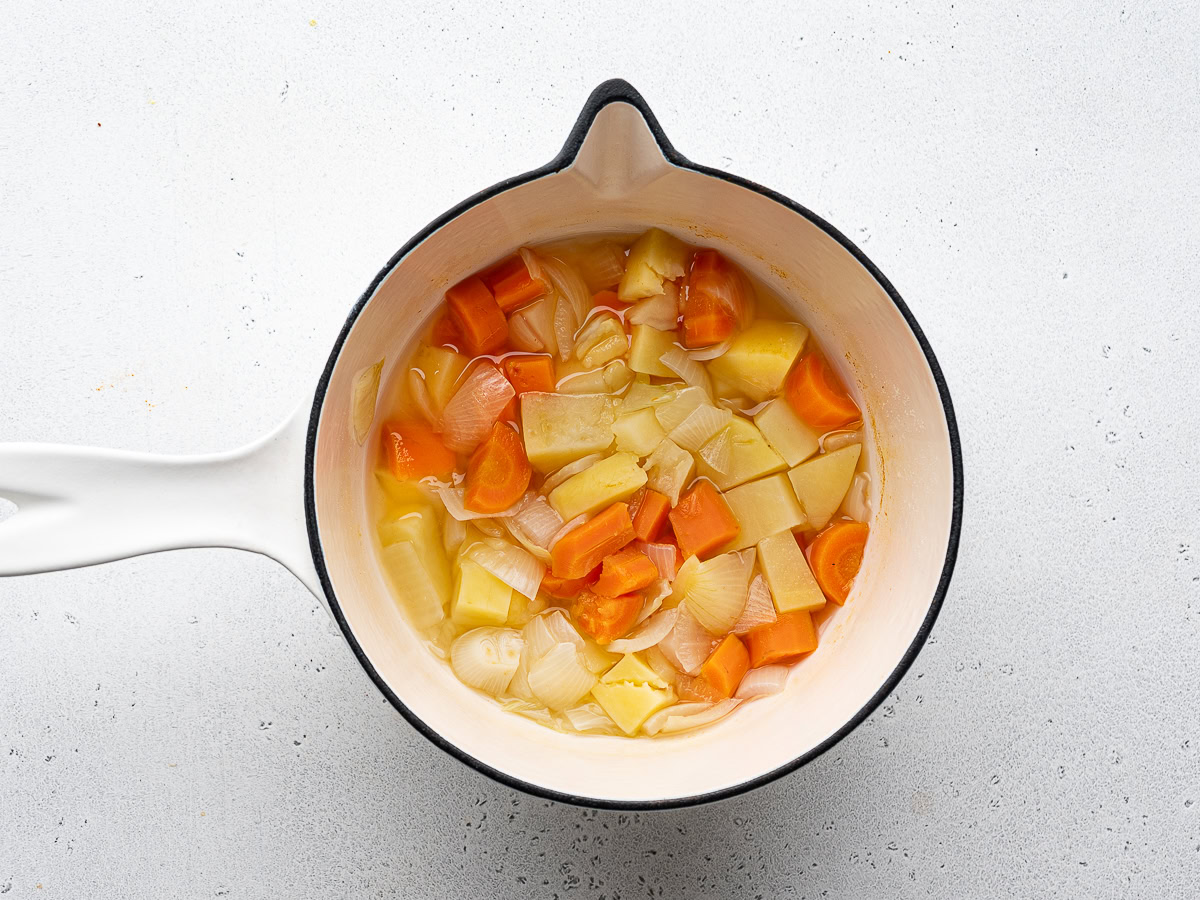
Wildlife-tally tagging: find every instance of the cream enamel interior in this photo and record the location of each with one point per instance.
(620, 182)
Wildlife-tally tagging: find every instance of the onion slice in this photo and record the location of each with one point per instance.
(836, 440)
(677, 360)
(646, 635)
(688, 643)
(452, 498)
(473, 409)
(515, 567)
(421, 399)
(707, 353)
(538, 521)
(663, 556)
(487, 658)
(566, 529)
(855, 504)
(362, 400)
(654, 724)
(762, 681)
(678, 723)
(760, 609)
(660, 311)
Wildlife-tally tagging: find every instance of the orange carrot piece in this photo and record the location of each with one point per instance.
(816, 395)
(835, 556)
(567, 588)
(413, 450)
(650, 515)
(609, 300)
(783, 641)
(726, 666)
(705, 323)
(605, 619)
(498, 472)
(625, 571)
(529, 372)
(511, 283)
(445, 332)
(478, 316)
(582, 549)
(702, 520)
(717, 300)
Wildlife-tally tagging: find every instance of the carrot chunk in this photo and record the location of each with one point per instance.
(511, 284)
(835, 556)
(413, 450)
(813, 390)
(702, 520)
(783, 641)
(649, 518)
(609, 300)
(625, 571)
(498, 472)
(567, 588)
(528, 372)
(726, 666)
(605, 619)
(719, 299)
(582, 549)
(478, 316)
(445, 332)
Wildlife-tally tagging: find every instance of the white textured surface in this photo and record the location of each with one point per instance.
(191, 724)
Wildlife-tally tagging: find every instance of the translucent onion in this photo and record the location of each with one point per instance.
(522, 336)
(677, 360)
(654, 724)
(759, 610)
(514, 566)
(473, 409)
(718, 452)
(454, 533)
(490, 527)
(572, 468)
(564, 280)
(534, 324)
(591, 718)
(566, 529)
(514, 530)
(701, 424)
(452, 498)
(661, 665)
(542, 633)
(362, 400)
(856, 505)
(601, 264)
(660, 311)
(649, 633)
(671, 410)
(652, 599)
(421, 399)
(715, 590)
(538, 521)
(836, 440)
(560, 679)
(707, 353)
(677, 723)
(762, 682)
(663, 556)
(688, 643)
(565, 324)
(487, 658)
(529, 708)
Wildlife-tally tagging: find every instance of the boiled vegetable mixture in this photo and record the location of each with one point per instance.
(617, 484)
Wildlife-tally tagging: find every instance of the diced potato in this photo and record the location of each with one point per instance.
(788, 575)
(669, 469)
(412, 584)
(653, 257)
(418, 525)
(763, 508)
(600, 341)
(595, 658)
(399, 493)
(442, 368)
(480, 598)
(759, 358)
(643, 394)
(822, 482)
(752, 457)
(599, 485)
(786, 432)
(638, 432)
(629, 705)
(560, 428)
(632, 669)
(673, 410)
(647, 348)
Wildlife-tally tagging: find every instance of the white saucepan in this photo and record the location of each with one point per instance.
(299, 494)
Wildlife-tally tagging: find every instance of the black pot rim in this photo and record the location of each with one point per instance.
(620, 91)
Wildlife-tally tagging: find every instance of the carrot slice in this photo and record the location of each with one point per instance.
(625, 571)
(498, 472)
(702, 520)
(529, 373)
(511, 284)
(478, 316)
(445, 332)
(718, 299)
(835, 556)
(813, 390)
(726, 666)
(605, 619)
(783, 641)
(413, 450)
(582, 549)
(650, 515)
(567, 588)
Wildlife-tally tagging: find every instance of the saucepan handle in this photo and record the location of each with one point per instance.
(77, 506)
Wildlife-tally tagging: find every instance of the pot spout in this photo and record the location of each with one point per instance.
(618, 146)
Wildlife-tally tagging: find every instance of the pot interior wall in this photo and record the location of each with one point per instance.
(621, 183)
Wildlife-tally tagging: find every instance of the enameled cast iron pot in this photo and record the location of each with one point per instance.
(299, 494)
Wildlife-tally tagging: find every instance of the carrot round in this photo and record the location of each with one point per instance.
(835, 556)
(498, 472)
(813, 390)
(478, 316)
(717, 301)
(702, 520)
(582, 549)
(725, 667)
(783, 641)
(650, 515)
(412, 450)
(605, 619)
(624, 572)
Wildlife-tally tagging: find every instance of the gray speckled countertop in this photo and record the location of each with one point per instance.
(190, 201)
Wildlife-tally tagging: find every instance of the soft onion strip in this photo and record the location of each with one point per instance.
(836, 440)
(677, 360)
(707, 353)
(762, 682)
(646, 635)
(516, 567)
(574, 468)
(675, 724)
(663, 556)
(654, 724)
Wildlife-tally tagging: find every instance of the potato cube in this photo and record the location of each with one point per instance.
(751, 457)
(788, 575)
(559, 428)
(632, 669)
(654, 256)
(759, 358)
(669, 469)
(629, 705)
(442, 369)
(647, 348)
(412, 584)
(822, 482)
(599, 485)
(480, 598)
(786, 432)
(763, 508)
(418, 525)
(638, 432)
